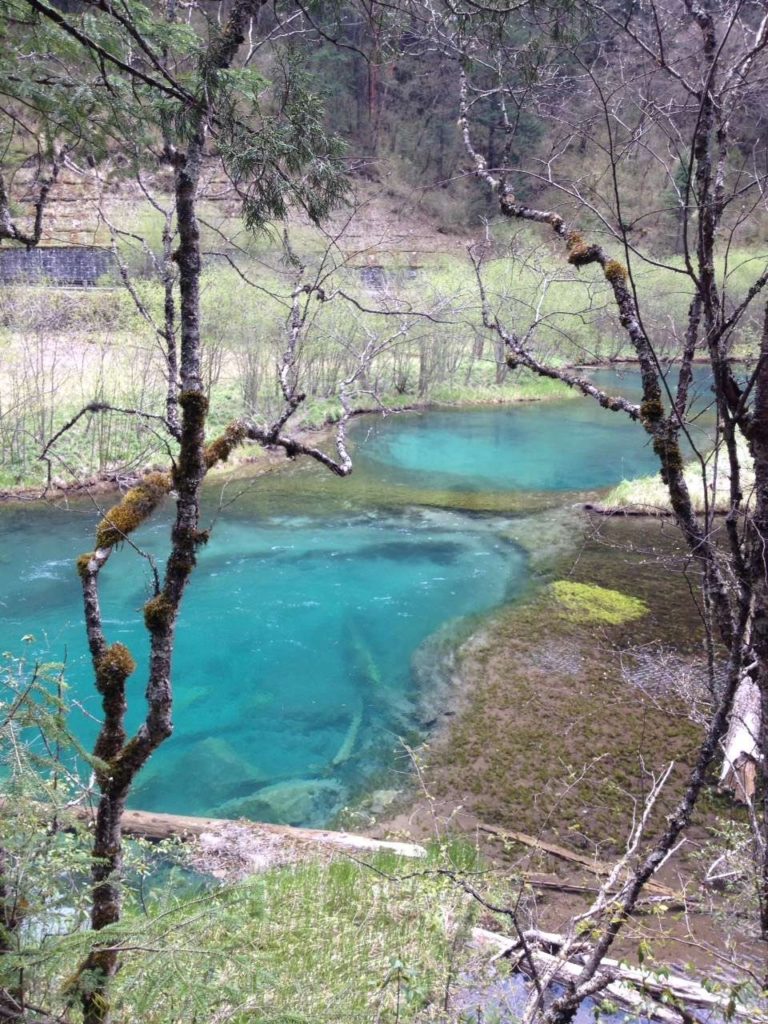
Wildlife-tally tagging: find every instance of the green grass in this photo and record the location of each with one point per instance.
(529, 278)
(650, 494)
(315, 943)
(349, 941)
(521, 386)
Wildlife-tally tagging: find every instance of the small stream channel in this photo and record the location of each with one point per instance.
(293, 669)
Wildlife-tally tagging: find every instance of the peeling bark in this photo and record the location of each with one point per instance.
(741, 746)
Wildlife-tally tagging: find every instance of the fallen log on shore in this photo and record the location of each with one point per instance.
(156, 827)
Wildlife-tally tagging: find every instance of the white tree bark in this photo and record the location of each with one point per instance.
(740, 746)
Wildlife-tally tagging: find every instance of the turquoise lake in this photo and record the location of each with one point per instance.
(294, 668)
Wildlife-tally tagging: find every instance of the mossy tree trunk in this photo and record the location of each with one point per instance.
(753, 722)
(124, 758)
(186, 83)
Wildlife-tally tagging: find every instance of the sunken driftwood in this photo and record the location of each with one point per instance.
(347, 747)
(640, 511)
(653, 905)
(597, 867)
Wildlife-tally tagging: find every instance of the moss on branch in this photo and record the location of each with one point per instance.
(615, 272)
(114, 666)
(579, 253)
(135, 507)
(220, 449)
(158, 612)
(82, 563)
(651, 410)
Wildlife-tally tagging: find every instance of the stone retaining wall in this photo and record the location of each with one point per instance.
(81, 266)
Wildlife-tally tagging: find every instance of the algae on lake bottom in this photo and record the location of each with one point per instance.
(550, 733)
(586, 602)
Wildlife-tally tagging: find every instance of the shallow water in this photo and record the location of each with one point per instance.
(558, 446)
(503, 999)
(529, 448)
(293, 668)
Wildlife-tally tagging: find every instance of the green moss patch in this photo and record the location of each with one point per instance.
(586, 602)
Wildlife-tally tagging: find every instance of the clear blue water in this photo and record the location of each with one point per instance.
(293, 668)
(294, 628)
(548, 447)
(533, 447)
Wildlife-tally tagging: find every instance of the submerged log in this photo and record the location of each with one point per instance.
(655, 904)
(365, 660)
(595, 866)
(350, 737)
(741, 752)
(592, 864)
(378, 692)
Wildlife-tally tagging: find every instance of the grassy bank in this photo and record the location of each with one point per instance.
(339, 942)
(708, 483)
(306, 945)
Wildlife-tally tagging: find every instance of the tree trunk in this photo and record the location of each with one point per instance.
(757, 435)
(741, 747)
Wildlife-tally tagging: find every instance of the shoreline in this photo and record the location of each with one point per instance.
(114, 482)
(520, 706)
